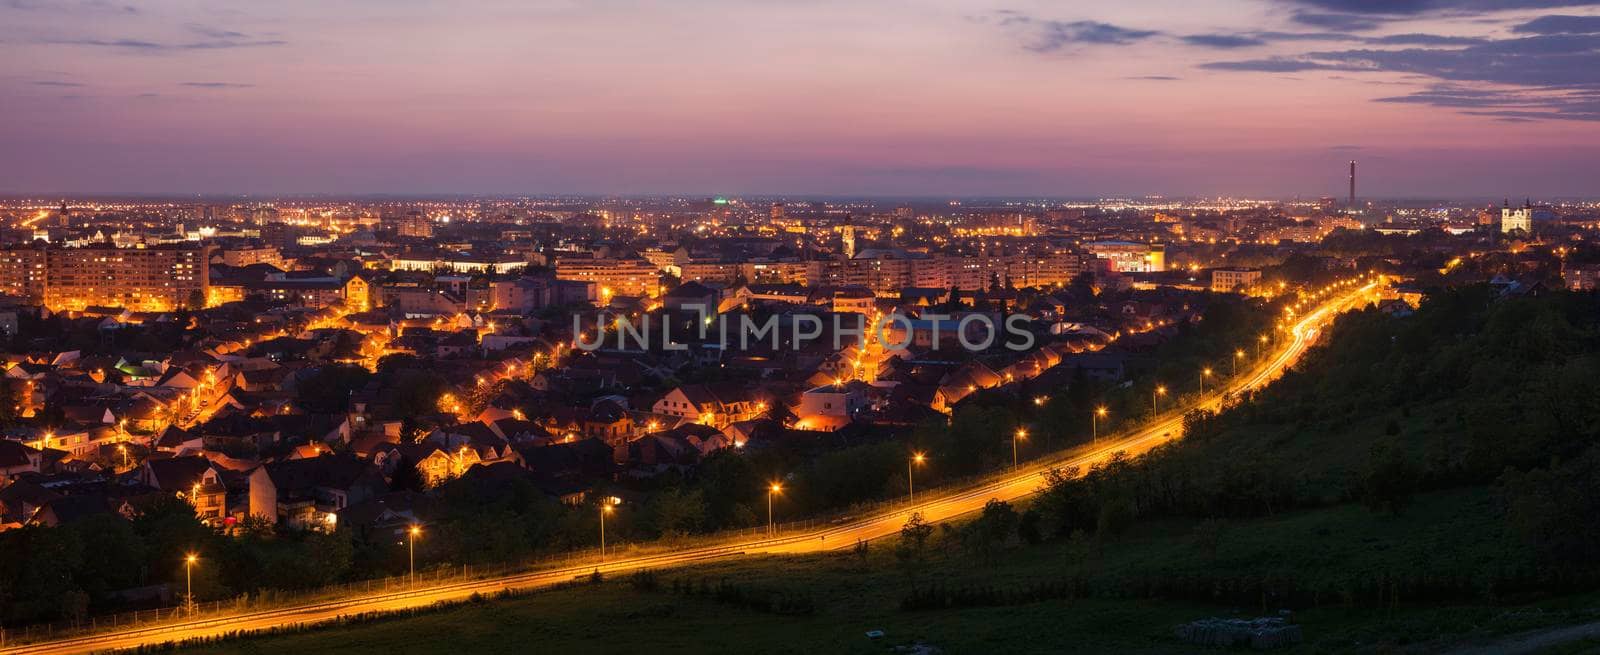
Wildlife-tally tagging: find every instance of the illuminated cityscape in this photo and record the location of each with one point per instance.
(797, 327)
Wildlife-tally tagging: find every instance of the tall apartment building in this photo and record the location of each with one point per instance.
(612, 277)
(159, 278)
(22, 272)
(711, 271)
(887, 272)
(156, 278)
(410, 224)
(775, 272)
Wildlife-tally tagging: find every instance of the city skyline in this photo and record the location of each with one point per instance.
(1479, 99)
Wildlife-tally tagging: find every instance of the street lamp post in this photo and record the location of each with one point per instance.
(411, 540)
(605, 508)
(1019, 435)
(1160, 390)
(1237, 355)
(1204, 373)
(911, 490)
(1260, 343)
(1094, 423)
(773, 490)
(188, 580)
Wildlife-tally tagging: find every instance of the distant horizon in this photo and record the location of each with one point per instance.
(57, 196)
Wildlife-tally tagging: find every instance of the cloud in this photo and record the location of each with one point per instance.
(67, 6)
(1520, 106)
(1154, 78)
(1343, 22)
(140, 45)
(214, 33)
(1222, 40)
(1415, 7)
(1560, 25)
(1344, 148)
(1259, 38)
(1366, 15)
(1425, 39)
(216, 85)
(1054, 35)
(58, 83)
(1306, 36)
(213, 39)
(1537, 61)
(1541, 77)
(1271, 65)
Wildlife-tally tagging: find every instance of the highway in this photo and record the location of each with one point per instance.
(935, 505)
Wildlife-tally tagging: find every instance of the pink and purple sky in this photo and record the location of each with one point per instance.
(1481, 98)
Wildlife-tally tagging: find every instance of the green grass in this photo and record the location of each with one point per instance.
(853, 596)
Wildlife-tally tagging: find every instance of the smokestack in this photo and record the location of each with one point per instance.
(1352, 183)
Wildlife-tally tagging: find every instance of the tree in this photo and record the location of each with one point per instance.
(406, 476)
(992, 530)
(676, 512)
(914, 536)
(9, 402)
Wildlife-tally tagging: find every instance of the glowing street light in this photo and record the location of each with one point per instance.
(1237, 355)
(1204, 373)
(411, 540)
(1094, 422)
(188, 579)
(1159, 391)
(606, 507)
(911, 492)
(773, 490)
(1019, 435)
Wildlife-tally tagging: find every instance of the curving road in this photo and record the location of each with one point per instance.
(935, 506)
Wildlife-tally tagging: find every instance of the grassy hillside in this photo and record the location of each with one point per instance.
(850, 594)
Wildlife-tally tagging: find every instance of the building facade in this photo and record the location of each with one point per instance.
(155, 278)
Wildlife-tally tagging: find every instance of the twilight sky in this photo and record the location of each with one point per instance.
(1483, 98)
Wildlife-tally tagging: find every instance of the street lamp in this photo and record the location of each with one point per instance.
(911, 490)
(773, 490)
(1260, 343)
(412, 534)
(1019, 435)
(1237, 355)
(1094, 422)
(188, 579)
(1160, 390)
(605, 508)
(1204, 373)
